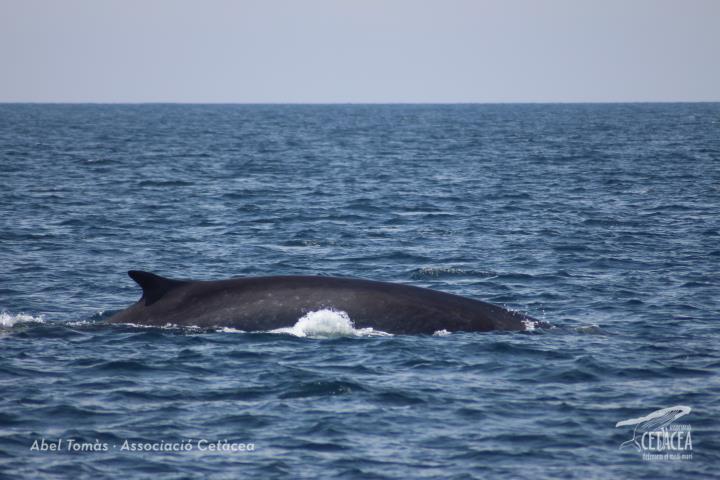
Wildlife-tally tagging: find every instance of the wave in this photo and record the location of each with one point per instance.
(8, 320)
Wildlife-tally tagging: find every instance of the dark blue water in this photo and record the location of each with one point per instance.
(603, 220)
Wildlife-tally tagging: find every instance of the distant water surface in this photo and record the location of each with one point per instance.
(603, 220)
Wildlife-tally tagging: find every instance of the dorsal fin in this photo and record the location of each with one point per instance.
(153, 286)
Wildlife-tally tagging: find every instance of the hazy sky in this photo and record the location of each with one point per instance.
(359, 50)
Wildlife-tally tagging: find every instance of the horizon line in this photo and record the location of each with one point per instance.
(561, 102)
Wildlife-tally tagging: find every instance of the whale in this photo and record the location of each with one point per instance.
(255, 304)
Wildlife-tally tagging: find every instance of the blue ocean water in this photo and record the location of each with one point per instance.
(602, 220)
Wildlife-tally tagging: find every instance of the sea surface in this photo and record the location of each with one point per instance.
(602, 220)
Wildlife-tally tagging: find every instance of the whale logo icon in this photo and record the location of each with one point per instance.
(652, 422)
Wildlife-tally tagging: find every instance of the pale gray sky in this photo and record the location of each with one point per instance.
(359, 50)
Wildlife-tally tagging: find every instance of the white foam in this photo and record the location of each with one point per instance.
(529, 325)
(441, 333)
(167, 326)
(79, 323)
(8, 320)
(230, 330)
(327, 323)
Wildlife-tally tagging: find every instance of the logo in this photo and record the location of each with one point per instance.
(657, 437)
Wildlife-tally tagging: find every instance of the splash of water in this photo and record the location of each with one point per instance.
(8, 320)
(327, 323)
